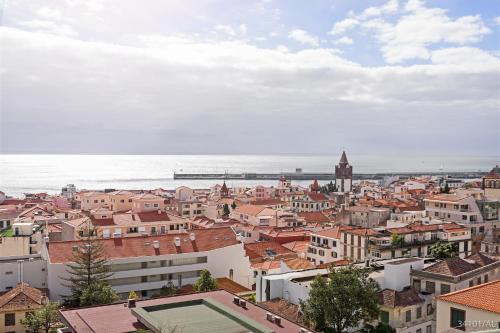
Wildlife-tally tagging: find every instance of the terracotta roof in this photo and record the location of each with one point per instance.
(391, 298)
(20, 297)
(297, 246)
(267, 202)
(361, 232)
(299, 263)
(317, 196)
(457, 266)
(314, 217)
(147, 197)
(266, 265)
(266, 249)
(400, 230)
(284, 308)
(142, 246)
(249, 210)
(484, 296)
(333, 232)
(230, 285)
(448, 197)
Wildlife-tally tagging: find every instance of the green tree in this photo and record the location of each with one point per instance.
(397, 240)
(443, 250)
(45, 318)
(233, 205)
(168, 290)
(446, 189)
(341, 301)
(97, 293)
(205, 282)
(226, 210)
(86, 271)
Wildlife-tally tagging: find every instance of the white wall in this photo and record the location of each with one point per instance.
(33, 272)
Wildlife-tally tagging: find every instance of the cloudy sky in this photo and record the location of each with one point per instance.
(271, 76)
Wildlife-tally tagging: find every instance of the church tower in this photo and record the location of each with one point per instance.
(343, 175)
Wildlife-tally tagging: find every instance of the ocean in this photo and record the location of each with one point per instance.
(48, 173)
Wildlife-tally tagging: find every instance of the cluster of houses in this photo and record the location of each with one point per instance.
(268, 240)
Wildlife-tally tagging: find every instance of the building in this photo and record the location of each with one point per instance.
(31, 269)
(206, 312)
(324, 246)
(121, 201)
(343, 175)
(147, 263)
(368, 217)
(406, 310)
(454, 274)
(470, 310)
(146, 202)
(92, 200)
(491, 183)
(255, 215)
(16, 304)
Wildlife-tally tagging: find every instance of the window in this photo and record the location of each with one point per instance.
(156, 205)
(10, 319)
(428, 329)
(384, 317)
(457, 319)
(419, 312)
(486, 278)
(430, 287)
(479, 280)
(408, 316)
(471, 283)
(445, 288)
(416, 285)
(418, 330)
(429, 309)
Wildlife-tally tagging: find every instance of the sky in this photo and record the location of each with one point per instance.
(250, 77)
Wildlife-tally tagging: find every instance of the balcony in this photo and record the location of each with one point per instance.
(412, 243)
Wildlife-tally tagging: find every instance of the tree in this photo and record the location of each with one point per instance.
(397, 240)
(132, 295)
(226, 210)
(97, 293)
(168, 290)
(233, 205)
(446, 189)
(443, 250)
(45, 318)
(341, 301)
(205, 282)
(331, 187)
(87, 273)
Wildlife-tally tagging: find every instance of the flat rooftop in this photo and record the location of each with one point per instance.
(212, 311)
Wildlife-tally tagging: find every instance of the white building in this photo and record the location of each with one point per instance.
(30, 269)
(147, 263)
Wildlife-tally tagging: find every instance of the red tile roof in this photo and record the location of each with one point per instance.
(141, 246)
(261, 250)
(21, 297)
(391, 298)
(457, 266)
(314, 217)
(485, 296)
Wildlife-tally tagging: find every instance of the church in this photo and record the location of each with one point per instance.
(343, 175)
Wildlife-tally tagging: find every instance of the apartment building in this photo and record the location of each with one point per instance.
(491, 183)
(121, 201)
(311, 202)
(147, 263)
(190, 208)
(325, 246)
(471, 310)
(414, 240)
(367, 216)
(124, 225)
(92, 200)
(454, 274)
(255, 215)
(30, 269)
(146, 202)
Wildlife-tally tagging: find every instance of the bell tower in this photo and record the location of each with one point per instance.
(343, 175)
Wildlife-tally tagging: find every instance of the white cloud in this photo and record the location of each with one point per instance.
(49, 13)
(179, 91)
(497, 20)
(343, 41)
(412, 35)
(49, 27)
(343, 26)
(240, 30)
(388, 8)
(303, 37)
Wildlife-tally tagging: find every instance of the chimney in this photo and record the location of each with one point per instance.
(156, 244)
(177, 241)
(192, 236)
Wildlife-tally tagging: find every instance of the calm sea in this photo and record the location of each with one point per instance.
(48, 173)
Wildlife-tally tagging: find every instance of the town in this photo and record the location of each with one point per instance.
(424, 253)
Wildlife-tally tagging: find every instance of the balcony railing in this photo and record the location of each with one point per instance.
(415, 242)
